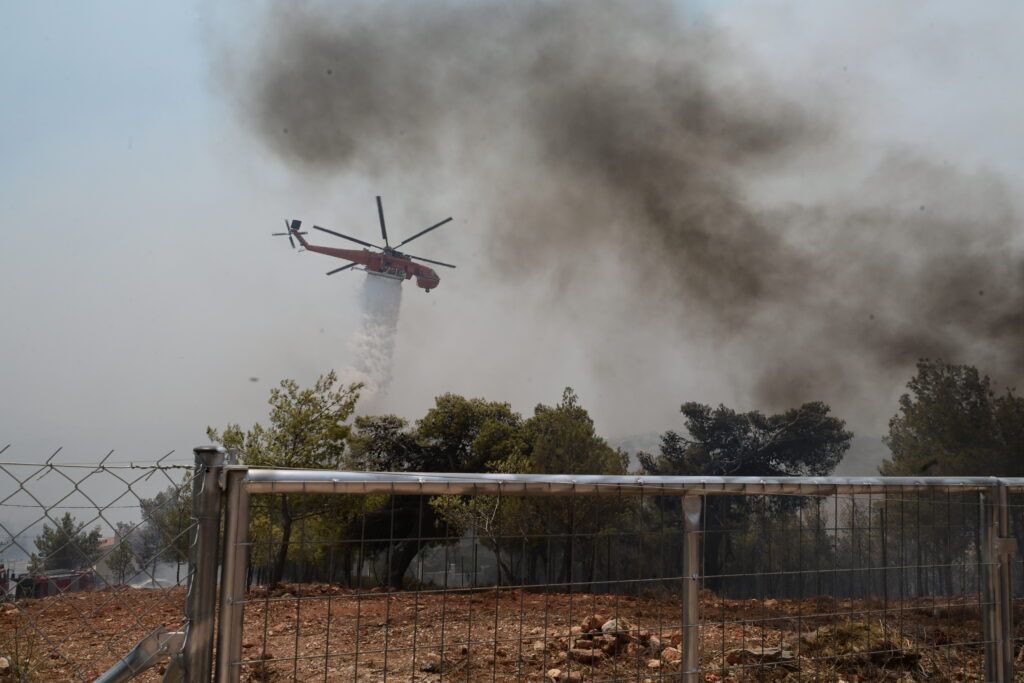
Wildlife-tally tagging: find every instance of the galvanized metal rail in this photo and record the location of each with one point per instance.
(429, 483)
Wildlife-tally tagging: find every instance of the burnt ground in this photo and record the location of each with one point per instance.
(321, 632)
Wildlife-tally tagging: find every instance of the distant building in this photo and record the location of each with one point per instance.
(104, 573)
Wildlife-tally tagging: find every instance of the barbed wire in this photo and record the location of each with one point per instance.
(94, 466)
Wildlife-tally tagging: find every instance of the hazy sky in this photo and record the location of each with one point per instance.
(141, 289)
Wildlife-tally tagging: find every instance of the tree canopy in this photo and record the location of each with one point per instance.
(561, 439)
(532, 539)
(951, 422)
(456, 435)
(121, 559)
(308, 428)
(66, 545)
(804, 441)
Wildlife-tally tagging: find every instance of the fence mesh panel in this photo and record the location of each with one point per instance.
(880, 587)
(876, 586)
(1016, 505)
(547, 580)
(95, 558)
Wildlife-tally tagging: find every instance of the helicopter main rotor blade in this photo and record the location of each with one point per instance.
(420, 258)
(353, 239)
(424, 232)
(383, 230)
(338, 270)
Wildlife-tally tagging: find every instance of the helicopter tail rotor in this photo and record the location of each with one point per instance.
(293, 229)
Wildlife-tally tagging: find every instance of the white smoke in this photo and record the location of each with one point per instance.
(374, 344)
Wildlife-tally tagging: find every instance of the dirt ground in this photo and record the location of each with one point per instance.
(321, 632)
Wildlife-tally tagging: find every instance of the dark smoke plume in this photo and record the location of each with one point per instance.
(628, 128)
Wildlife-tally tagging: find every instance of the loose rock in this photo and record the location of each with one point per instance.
(619, 628)
(592, 624)
(586, 656)
(670, 654)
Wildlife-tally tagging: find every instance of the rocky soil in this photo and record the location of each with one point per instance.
(322, 632)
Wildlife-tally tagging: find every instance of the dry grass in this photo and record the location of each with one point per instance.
(24, 657)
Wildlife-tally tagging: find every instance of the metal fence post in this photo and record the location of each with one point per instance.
(201, 607)
(233, 576)
(691, 588)
(997, 549)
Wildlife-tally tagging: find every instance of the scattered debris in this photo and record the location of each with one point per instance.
(756, 654)
(857, 643)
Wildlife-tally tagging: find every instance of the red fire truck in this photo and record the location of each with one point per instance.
(42, 584)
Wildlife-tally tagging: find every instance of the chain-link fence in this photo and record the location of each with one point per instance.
(94, 558)
(412, 577)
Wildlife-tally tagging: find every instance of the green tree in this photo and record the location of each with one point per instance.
(168, 519)
(121, 559)
(561, 439)
(952, 423)
(457, 435)
(66, 545)
(308, 428)
(558, 439)
(804, 441)
(384, 443)
(463, 435)
(148, 545)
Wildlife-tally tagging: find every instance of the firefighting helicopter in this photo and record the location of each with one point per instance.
(389, 262)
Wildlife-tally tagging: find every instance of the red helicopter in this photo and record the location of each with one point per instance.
(389, 262)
